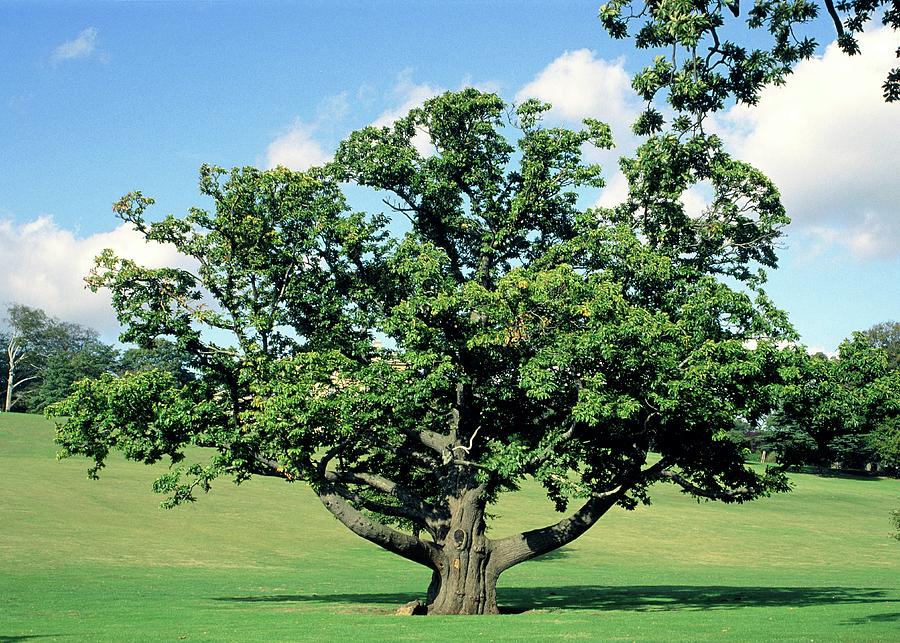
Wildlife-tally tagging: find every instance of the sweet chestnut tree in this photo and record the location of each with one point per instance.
(413, 365)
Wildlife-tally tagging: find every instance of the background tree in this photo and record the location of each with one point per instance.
(86, 358)
(596, 351)
(160, 355)
(886, 336)
(23, 348)
(45, 355)
(843, 409)
(31, 338)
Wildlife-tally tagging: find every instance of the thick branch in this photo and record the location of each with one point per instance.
(434, 441)
(726, 495)
(390, 539)
(835, 18)
(413, 503)
(530, 544)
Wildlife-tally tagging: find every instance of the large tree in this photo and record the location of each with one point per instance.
(411, 372)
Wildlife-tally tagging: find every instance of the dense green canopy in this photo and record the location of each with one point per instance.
(413, 377)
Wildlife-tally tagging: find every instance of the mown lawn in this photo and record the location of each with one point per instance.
(85, 560)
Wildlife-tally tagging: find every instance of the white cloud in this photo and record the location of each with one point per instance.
(407, 95)
(614, 193)
(45, 266)
(299, 146)
(579, 85)
(81, 47)
(832, 146)
(333, 108)
(296, 148)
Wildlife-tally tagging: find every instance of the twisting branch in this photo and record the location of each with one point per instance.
(835, 18)
(468, 449)
(383, 485)
(329, 456)
(530, 544)
(394, 541)
(736, 495)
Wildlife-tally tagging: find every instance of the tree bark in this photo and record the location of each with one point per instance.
(464, 563)
(464, 581)
(10, 380)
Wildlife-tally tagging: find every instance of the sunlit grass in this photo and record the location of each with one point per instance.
(86, 560)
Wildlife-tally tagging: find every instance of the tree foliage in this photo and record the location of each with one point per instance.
(705, 57)
(413, 373)
(844, 409)
(162, 355)
(886, 336)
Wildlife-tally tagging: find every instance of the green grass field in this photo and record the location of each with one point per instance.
(86, 560)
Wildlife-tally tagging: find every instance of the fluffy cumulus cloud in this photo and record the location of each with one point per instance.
(579, 85)
(45, 266)
(297, 148)
(82, 46)
(830, 143)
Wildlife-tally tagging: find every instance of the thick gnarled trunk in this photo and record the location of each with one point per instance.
(465, 586)
(465, 564)
(464, 581)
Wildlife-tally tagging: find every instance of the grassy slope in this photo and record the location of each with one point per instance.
(84, 560)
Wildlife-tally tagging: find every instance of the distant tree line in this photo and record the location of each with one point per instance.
(42, 357)
(841, 411)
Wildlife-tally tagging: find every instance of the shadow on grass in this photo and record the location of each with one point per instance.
(888, 617)
(633, 598)
(556, 554)
(24, 637)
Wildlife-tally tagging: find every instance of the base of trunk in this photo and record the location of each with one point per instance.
(463, 594)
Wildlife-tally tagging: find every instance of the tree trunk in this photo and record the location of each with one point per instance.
(9, 386)
(465, 564)
(464, 582)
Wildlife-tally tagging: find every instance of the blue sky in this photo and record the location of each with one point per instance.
(97, 99)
